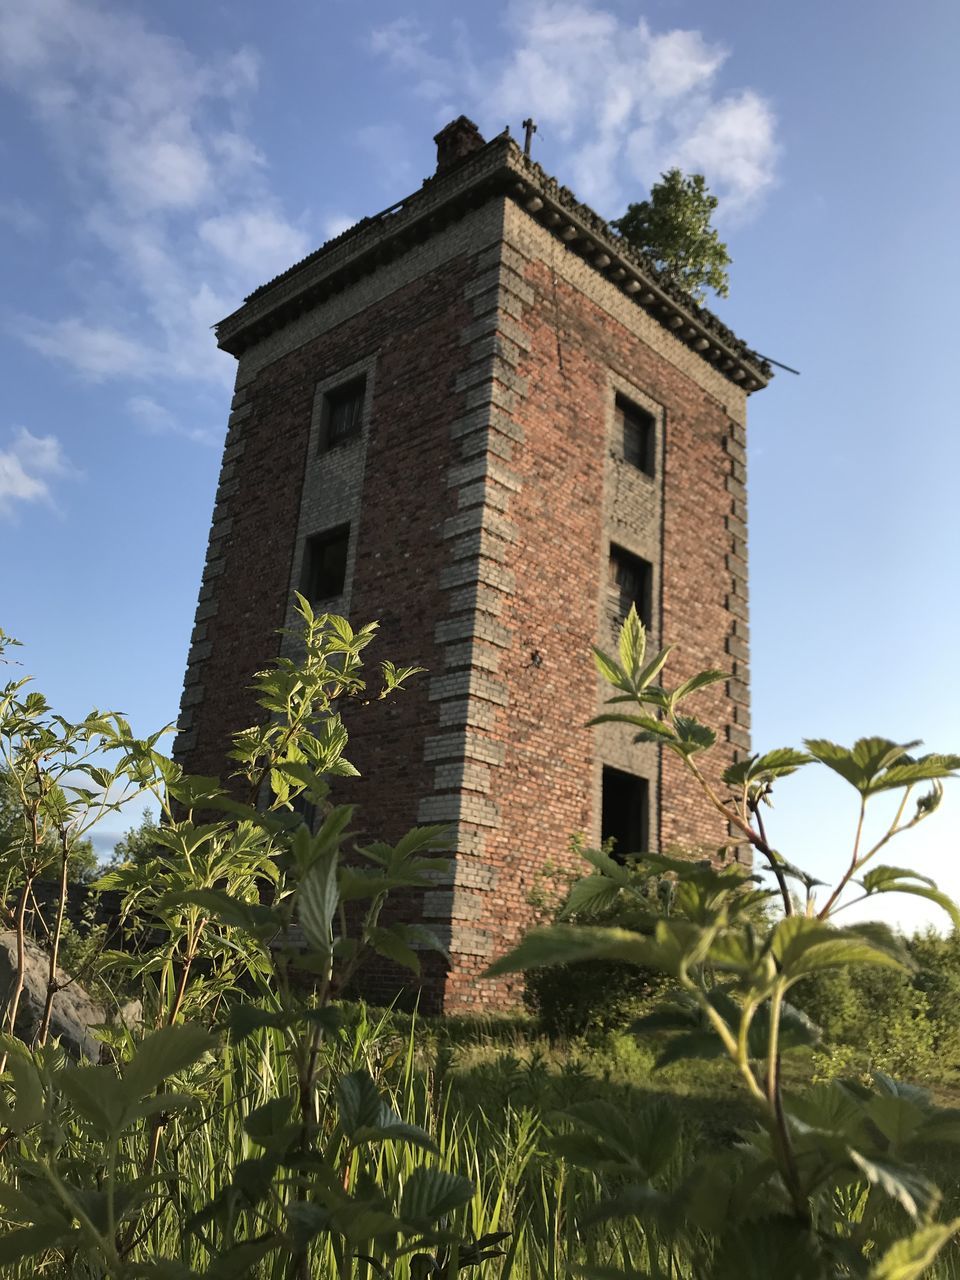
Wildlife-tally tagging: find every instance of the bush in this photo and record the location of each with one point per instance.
(596, 996)
(897, 1021)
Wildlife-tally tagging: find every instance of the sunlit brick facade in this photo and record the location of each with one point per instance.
(479, 420)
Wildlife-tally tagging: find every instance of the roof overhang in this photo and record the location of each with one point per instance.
(498, 169)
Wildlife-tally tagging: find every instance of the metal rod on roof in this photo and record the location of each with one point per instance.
(529, 130)
(770, 360)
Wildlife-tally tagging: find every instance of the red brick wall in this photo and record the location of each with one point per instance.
(545, 788)
(415, 335)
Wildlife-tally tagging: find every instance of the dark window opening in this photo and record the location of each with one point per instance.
(325, 564)
(343, 413)
(631, 582)
(638, 431)
(625, 813)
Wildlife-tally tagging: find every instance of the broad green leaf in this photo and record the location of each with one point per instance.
(359, 1101)
(779, 763)
(391, 1128)
(425, 938)
(637, 1200)
(220, 906)
(608, 867)
(331, 832)
(898, 1119)
(243, 1019)
(770, 1248)
(390, 942)
(899, 880)
(910, 1257)
(306, 1221)
(642, 1141)
(649, 727)
(610, 670)
(928, 768)
(238, 1261)
(632, 644)
(650, 672)
(877, 764)
(96, 1095)
(592, 893)
(429, 1194)
(830, 1108)
(693, 736)
(26, 1242)
(317, 901)
(268, 1122)
(700, 681)
(193, 791)
(164, 1053)
(797, 1030)
(567, 944)
(161, 1104)
(803, 945)
(912, 1190)
(690, 1044)
(361, 1221)
(29, 1108)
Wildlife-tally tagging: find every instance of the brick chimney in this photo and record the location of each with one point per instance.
(455, 141)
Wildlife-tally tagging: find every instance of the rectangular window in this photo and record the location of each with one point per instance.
(636, 433)
(342, 413)
(325, 564)
(631, 582)
(625, 813)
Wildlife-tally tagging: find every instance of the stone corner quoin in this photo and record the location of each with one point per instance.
(481, 420)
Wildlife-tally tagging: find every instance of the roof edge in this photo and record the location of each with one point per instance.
(498, 168)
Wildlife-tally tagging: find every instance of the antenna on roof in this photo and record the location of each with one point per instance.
(529, 130)
(770, 360)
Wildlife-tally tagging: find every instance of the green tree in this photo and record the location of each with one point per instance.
(673, 229)
(139, 844)
(14, 836)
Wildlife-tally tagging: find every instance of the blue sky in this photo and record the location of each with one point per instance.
(159, 161)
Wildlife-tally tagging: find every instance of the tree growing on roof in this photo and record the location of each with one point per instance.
(673, 229)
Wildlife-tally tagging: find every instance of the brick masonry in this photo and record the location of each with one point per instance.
(482, 493)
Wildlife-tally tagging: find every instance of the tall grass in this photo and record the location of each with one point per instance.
(487, 1095)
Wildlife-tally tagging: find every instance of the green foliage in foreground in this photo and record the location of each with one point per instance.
(256, 1125)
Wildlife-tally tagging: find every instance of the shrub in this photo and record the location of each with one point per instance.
(597, 996)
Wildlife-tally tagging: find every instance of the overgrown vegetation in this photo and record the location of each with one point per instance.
(259, 1124)
(672, 228)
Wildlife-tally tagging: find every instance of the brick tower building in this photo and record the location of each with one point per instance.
(479, 418)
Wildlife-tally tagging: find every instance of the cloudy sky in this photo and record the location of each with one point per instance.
(159, 161)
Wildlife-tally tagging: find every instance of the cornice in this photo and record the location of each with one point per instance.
(499, 168)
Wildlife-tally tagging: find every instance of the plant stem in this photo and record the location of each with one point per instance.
(755, 838)
(780, 1128)
(52, 985)
(20, 927)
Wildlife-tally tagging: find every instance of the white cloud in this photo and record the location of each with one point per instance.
(170, 188)
(255, 240)
(625, 101)
(337, 224)
(96, 351)
(158, 420)
(26, 468)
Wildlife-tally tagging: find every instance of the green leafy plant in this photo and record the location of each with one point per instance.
(256, 923)
(827, 1184)
(673, 229)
